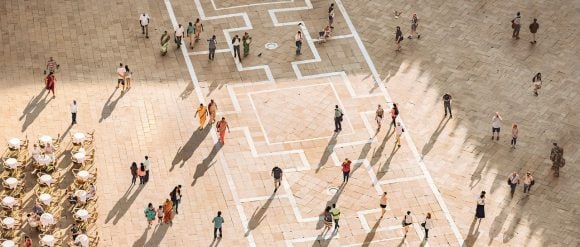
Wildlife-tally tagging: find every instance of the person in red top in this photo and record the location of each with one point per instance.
(27, 241)
(346, 170)
(49, 81)
(394, 114)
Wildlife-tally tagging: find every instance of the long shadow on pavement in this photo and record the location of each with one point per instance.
(33, 109)
(123, 204)
(186, 151)
(206, 163)
(434, 136)
(109, 106)
(259, 215)
(158, 235)
(371, 234)
(327, 151)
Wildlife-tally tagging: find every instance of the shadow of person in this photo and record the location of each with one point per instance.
(516, 219)
(216, 242)
(186, 151)
(259, 215)
(142, 240)
(363, 155)
(109, 106)
(206, 163)
(123, 205)
(379, 151)
(473, 233)
(497, 225)
(187, 91)
(334, 198)
(429, 145)
(327, 151)
(369, 237)
(157, 236)
(381, 171)
(213, 86)
(33, 109)
(321, 241)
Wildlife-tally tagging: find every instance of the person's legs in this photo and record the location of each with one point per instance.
(336, 226)
(513, 189)
(426, 233)
(142, 29)
(526, 188)
(533, 38)
(215, 233)
(134, 179)
(140, 179)
(398, 141)
(448, 108)
(393, 121)
(221, 234)
(74, 118)
(146, 31)
(336, 122)
(146, 176)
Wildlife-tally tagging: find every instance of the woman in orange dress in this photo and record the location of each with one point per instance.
(168, 211)
(221, 128)
(202, 112)
(49, 82)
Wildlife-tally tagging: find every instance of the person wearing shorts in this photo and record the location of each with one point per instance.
(277, 175)
(495, 126)
(383, 204)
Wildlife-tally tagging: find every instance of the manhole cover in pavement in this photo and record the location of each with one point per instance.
(332, 190)
(271, 45)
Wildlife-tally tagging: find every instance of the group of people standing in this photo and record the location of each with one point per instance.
(164, 213)
(141, 172)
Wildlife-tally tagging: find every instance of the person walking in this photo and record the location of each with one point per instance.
(346, 170)
(190, 34)
(141, 174)
(537, 81)
(74, 108)
(150, 214)
(198, 29)
(165, 37)
(495, 126)
(394, 114)
(407, 221)
(144, 21)
(515, 133)
(299, 39)
(331, 15)
(427, 225)
(147, 168)
(383, 204)
(277, 175)
(480, 208)
(51, 66)
(338, 114)
(513, 181)
(327, 218)
(212, 46)
(534, 29)
(398, 38)
(236, 43)
(167, 212)
(398, 132)
(447, 104)
(528, 182)
(121, 76)
(379, 115)
(414, 25)
(335, 212)
(246, 40)
(516, 25)
(202, 112)
(217, 225)
(221, 128)
(212, 108)
(178, 33)
(128, 74)
(175, 196)
(557, 158)
(134, 169)
(50, 81)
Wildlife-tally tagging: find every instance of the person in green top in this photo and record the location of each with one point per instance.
(335, 216)
(190, 34)
(246, 39)
(217, 224)
(150, 213)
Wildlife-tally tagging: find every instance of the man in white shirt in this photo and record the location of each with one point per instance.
(147, 165)
(178, 35)
(299, 39)
(495, 126)
(236, 43)
(73, 111)
(144, 21)
(121, 76)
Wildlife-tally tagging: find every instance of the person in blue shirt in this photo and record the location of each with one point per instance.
(217, 224)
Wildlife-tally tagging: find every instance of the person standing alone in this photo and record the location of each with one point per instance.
(495, 126)
(212, 47)
(277, 174)
(534, 29)
(298, 38)
(345, 170)
(515, 132)
(73, 111)
(337, 119)
(557, 158)
(236, 43)
(217, 224)
(144, 21)
(379, 115)
(447, 104)
(398, 38)
(516, 25)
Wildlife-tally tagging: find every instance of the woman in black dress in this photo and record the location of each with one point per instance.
(480, 210)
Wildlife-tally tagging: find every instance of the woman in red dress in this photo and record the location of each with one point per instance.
(49, 81)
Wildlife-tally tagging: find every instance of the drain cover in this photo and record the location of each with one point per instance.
(271, 45)
(332, 190)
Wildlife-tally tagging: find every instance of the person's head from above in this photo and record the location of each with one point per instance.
(191, 24)
(223, 119)
(179, 186)
(246, 33)
(50, 73)
(529, 173)
(201, 104)
(35, 145)
(165, 32)
(408, 212)
(28, 215)
(346, 160)
(120, 64)
(299, 32)
(379, 106)
(146, 157)
(497, 114)
(398, 28)
(384, 193)
(50, 59)
(535, 20)
(126, 67)
(197, 20)
(539, 75)
(179, 25)
(515, 126)
(74, 102)
(482, 196)
(219, 213)
(428, 215)
(160, 206)
(514, 174)
(336, 106)
(142, 167)
(555, 144)
(327, 209)
(134, 164)
(213, 37)
(334, 205)
(150, 205)
(518, 14)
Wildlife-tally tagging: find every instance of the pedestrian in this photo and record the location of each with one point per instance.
(407, 221)
(190, 34)
(217, 225)
(27, 241)
(515, 133)
(327, 218)
(49, 82)
(75, 231)
(165, 37)
(128, 74)
(175, 196)
(557, 158)
(480, 208)
(537, 80)
(534, 29)
(394, 114)
(212, 46)
(277, 175)
(398, 38)
(141, 174)
(246, 40)
(335, 216)
(134, 169)
(178, 33)
(121, 76)
(73, 111)
(160, 215)
(495, 126)
(144, 21)
(221, 128)
(447, 104)
(528, 182)
(51, 66)
(427, 225)
(212, 108)
(198, 29)
(236, 43)
(331, 15)
(383, 204)
(167, 212)
(147, 168)
(414, 25)
(202, 112)
(298, 38)
(338, 115)
(516, 24)
(379, 114)
(398, 132)
(513, 181)
(345, 170)
(150, 213)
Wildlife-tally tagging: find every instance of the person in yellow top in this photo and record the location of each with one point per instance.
(202, 112)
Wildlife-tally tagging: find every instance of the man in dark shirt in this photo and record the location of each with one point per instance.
(277, 174)
(447, 104)
(534, 29)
